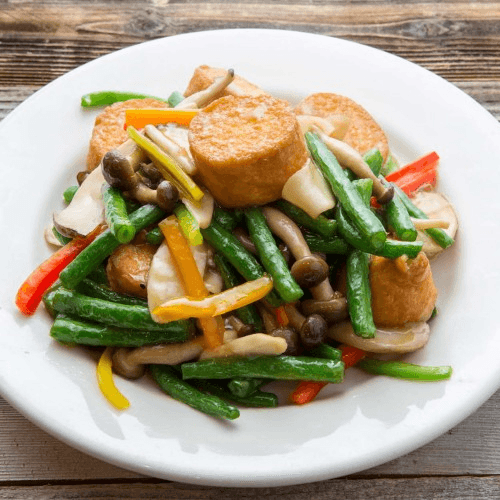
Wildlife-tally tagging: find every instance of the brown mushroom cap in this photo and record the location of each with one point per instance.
(309, 271)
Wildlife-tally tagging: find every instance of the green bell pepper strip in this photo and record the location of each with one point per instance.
(271, 257)
(399, 369)
(69, 193)
(73, 330)
(363, 218)
(170, 383)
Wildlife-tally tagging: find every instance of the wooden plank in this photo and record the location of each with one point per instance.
(28, 453)
(348, 489)
(47, 44)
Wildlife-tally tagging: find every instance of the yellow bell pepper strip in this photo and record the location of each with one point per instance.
(139, 118)
(167, 166)
(215, 305)
(190, 276)
(105, 380)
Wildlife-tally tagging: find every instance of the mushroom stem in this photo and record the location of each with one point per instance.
(421, 224)
(308, 269)
(178, 153)
(203, 97)
(295, 318)
(241, 328)
(245, 240)
(350, 158)
(129, 362)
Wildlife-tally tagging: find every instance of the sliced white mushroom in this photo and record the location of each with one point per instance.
(436, 206)
(256, 344)
(332, 125)
(395, 340)
(308, 190)
(86, 210)
(163, 282)
(50, 237)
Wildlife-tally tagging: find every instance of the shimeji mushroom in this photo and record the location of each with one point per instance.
(119, 171)
(326, 302)
(350, 158)
(288, 333)
(308, 269)
(203, 97)
(130, 362)
(312, 329)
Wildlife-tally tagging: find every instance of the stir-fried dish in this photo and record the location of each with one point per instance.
(221, 239)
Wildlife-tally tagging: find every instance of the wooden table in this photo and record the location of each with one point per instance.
(459, 40)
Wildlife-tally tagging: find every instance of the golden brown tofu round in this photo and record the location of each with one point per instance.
(108, 132)
(204, 76)
(245, 148)
(128, 268)
(363, 132)
(402, 291)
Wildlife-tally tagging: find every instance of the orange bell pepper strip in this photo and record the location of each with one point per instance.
(139, 118)
(190, 276)
(307, 390)
(104, 375)
(31, 292)
(215, 305)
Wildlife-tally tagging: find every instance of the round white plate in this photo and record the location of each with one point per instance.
(362, 423)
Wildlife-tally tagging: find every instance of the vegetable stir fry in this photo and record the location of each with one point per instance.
(219, 240)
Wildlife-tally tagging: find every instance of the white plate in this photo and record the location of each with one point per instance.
(351, 427)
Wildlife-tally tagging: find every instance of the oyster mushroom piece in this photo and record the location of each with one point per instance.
(387, 340)
(86, 210)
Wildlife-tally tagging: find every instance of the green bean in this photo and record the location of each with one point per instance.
(391, 249)
(244, 387)
(107, 97)
(364, 187)
(325, 351)
(96, 290)
(374, 159)
(403, 370)
(170, 383)
(271, 257)
(175, 98)
(72, 330)
(48, 298)
(228, 219)
(443, 239)
(104, 245)
(320, 225)
(390, 165)
(258, 399)
(99, 275)
(115, 211)
(69, 193)
(399, 220)
(103, 311)
(248, 314)
(359, 295)
(369, 226)
(334, 245)
(272, 367)
(154, 236)
(243, 261)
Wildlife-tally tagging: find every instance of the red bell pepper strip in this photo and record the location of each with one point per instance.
(416, 174)
(45, 275)
(307, 390)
